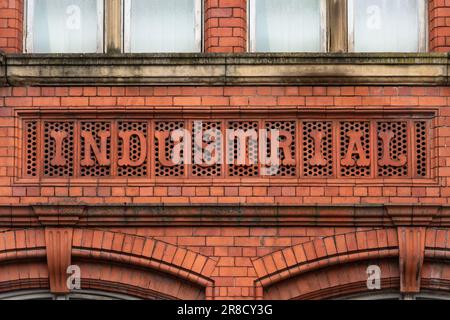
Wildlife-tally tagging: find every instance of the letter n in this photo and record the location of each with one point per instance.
(91, 146)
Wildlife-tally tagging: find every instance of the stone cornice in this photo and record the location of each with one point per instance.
(225, 69)
(224, 215)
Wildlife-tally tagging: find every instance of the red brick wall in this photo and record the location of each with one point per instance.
(234, 98)
(225, 25)
(11, 25)
(235, 248)
(439, 25)
(239, 255)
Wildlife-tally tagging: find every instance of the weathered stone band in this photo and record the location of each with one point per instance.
(225, 69)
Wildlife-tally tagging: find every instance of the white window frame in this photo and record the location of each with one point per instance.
(423, 26)
(28, 39)
(198, 25)
(251, 25)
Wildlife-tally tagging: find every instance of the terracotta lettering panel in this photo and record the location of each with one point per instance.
(372, 148)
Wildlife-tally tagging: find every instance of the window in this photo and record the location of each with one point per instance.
(63, 26)
(338, 26)
(287, 25)
(162, 26)
(387, 25)
(85, 26)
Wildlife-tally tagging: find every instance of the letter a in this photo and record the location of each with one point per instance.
(355, 147)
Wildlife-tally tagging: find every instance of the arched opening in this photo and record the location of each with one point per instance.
(99, 280)
(336, 282)
(134, 268)
(328, 269)
(75, 295)
(136, 281)
(348, 281)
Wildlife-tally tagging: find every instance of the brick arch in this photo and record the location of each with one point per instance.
(144, 252)
(291, 273)
(110, 261)
(318, 253)
(135, 281)
(436, 269)
(437, 244)
(23, 260)
(339, 250)
(337, 281)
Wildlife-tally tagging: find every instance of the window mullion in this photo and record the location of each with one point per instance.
(113, 26)
(337, 25)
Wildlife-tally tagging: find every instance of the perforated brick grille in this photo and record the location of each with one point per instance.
(398, 145)
(326, 148)
(364, 128)
(421, 148)
(168, 171)
(56, 148)
(135, 149)
(30, 151)
(67, 149)
(282, 169)
(234, 149)
(96, 170)
(209, 130)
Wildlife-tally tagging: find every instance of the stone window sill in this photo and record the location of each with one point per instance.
(224, 69)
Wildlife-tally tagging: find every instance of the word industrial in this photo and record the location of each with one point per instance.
(225, 148)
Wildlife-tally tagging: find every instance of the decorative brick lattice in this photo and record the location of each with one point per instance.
(31, 134)
(242, 170)
(309, 148)
(421, 148)
(135, 149)
(67, 149)
(168, 171)
(364, 129)
(326, 148)
(207, 170)
(398, 146)
(282, 170)
(94, 128)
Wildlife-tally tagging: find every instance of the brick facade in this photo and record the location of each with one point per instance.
(226, 238)
(225, 26)
(11, 25)
(438, 25)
